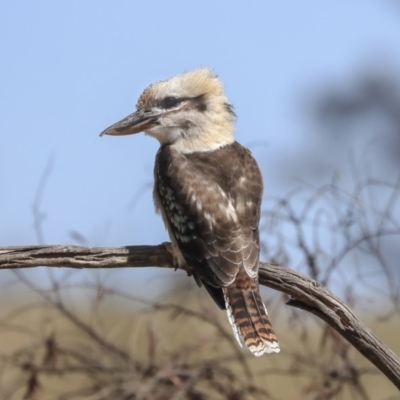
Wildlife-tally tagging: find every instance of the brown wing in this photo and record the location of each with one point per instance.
(212, 202)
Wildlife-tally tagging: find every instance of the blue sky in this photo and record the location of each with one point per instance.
(70, 69)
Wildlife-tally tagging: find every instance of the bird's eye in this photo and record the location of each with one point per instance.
(170, 102)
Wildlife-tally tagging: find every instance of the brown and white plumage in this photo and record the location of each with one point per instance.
(208, 189)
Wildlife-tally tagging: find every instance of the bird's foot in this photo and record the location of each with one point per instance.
(178, 265)
(168, 246)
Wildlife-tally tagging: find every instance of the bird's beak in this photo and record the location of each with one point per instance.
(136, 122)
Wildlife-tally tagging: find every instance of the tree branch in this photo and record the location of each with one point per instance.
(306, 293)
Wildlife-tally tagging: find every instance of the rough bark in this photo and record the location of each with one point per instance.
(305, 293)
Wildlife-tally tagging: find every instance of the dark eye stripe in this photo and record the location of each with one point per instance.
(197, 102)
(170, 101)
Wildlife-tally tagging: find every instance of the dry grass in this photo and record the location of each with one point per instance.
(170, 351)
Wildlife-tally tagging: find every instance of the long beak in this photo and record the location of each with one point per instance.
(133, 123)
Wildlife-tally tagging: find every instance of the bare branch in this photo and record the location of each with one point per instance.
(305, 293)
(84, 257)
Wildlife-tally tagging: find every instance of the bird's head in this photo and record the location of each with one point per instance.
(189, 111)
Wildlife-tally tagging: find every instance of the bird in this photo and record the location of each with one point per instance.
(208, 189)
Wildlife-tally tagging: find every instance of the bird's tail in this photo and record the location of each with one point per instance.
(249, 317)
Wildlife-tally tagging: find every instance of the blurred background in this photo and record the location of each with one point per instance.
(316, 86)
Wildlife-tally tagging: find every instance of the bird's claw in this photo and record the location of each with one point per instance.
(168, 246)
(170, 249)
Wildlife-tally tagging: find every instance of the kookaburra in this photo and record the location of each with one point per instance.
(208, 189)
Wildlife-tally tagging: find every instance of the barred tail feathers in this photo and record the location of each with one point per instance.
(249, 319)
